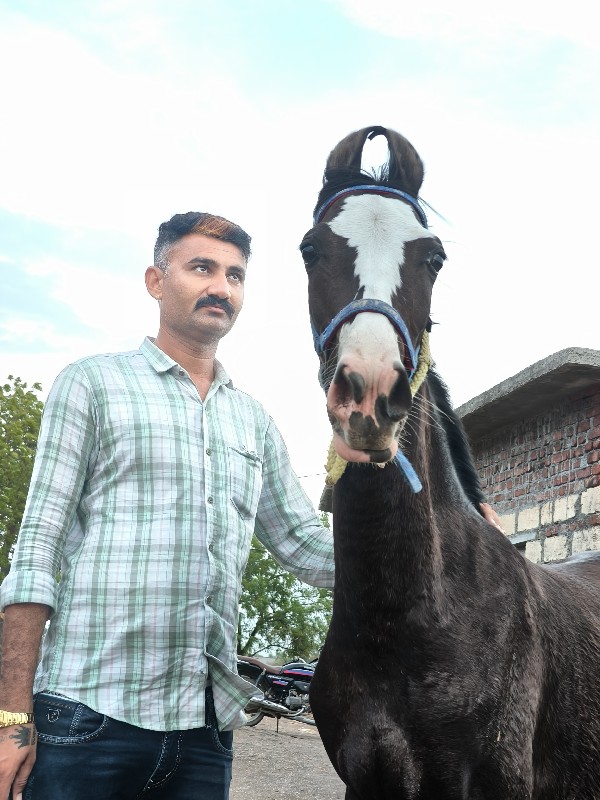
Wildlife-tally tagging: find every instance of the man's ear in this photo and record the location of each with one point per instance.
(154, 282)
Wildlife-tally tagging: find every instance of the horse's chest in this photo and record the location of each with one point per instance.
(381, 758)
(396, 739)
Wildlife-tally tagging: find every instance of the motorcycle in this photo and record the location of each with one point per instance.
(285, 690)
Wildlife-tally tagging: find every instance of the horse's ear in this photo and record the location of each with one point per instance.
(347, 154)
(405, 165)
(404, 168)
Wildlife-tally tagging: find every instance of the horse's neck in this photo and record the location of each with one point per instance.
(389, 540)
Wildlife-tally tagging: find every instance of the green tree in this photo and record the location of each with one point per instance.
(278, 613)
(20, 416)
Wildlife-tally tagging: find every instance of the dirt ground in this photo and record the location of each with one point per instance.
(289, 765)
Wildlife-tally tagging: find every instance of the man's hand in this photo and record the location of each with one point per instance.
(490, 515)
(17, 757)
(21, 637)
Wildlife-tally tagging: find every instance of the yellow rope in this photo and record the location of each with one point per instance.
(425, 362)
(336, 465)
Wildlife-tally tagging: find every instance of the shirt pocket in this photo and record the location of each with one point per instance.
(245, 473)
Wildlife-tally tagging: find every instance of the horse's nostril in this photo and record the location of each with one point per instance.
(357, 382)
(400, 398)
(350, 386)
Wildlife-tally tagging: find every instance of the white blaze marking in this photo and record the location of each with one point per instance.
(378, 227)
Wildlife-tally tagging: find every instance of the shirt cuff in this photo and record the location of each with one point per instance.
(28, 586)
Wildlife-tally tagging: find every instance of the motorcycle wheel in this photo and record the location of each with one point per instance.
(252, 717)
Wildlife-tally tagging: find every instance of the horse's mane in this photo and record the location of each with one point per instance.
(458, 442)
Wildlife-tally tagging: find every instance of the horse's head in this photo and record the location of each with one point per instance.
(371, 264)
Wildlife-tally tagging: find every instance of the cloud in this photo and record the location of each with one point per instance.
(89, 143)
(470, 20)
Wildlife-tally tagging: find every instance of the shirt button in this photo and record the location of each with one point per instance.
(182, 372)
(211, 547)
(209, 500)
(208, 451)
(209, 599)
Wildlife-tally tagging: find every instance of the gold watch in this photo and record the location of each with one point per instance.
(8, 718)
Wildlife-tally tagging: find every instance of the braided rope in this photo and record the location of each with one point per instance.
(336, 465)
(425, 362)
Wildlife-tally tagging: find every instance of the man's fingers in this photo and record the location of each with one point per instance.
(23, 774)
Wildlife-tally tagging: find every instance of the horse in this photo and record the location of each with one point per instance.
(453, 667)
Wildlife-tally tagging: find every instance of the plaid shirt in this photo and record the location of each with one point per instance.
(144, 500)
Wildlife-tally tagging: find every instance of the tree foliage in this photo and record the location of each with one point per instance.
(20, 416)
(280, 615)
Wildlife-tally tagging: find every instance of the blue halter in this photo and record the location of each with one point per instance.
(321, 340)
(372, 189)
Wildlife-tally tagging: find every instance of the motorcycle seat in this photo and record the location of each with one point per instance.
(256, 662)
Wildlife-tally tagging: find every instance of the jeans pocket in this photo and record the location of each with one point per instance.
(62, 721)
(222, 741)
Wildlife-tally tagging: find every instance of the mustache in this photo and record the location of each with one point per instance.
(212, 300)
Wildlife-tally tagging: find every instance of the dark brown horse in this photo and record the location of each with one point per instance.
(453, 667)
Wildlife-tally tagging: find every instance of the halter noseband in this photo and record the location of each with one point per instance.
(321, 340)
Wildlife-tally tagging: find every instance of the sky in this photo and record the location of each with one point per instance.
(117, 114)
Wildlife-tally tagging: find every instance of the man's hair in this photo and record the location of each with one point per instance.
(181, 225)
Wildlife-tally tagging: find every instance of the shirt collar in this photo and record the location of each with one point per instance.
(161, 362)
(156, 357)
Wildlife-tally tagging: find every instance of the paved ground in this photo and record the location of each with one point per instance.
(289, 765)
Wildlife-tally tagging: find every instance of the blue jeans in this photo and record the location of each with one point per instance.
(83, 755)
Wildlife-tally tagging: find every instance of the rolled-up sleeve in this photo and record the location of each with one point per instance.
(65, 448)
(287, 523)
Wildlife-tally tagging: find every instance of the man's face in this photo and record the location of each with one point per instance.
(202, 292)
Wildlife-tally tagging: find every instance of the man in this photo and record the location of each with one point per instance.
(152, 473)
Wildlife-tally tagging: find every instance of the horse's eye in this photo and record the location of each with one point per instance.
(436, 261)
(309, 254)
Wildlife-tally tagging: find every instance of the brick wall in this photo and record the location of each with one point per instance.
(542, 475)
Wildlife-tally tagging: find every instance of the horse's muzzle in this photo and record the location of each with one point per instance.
(367, 408)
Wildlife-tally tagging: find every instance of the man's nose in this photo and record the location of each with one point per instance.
(219, 286)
